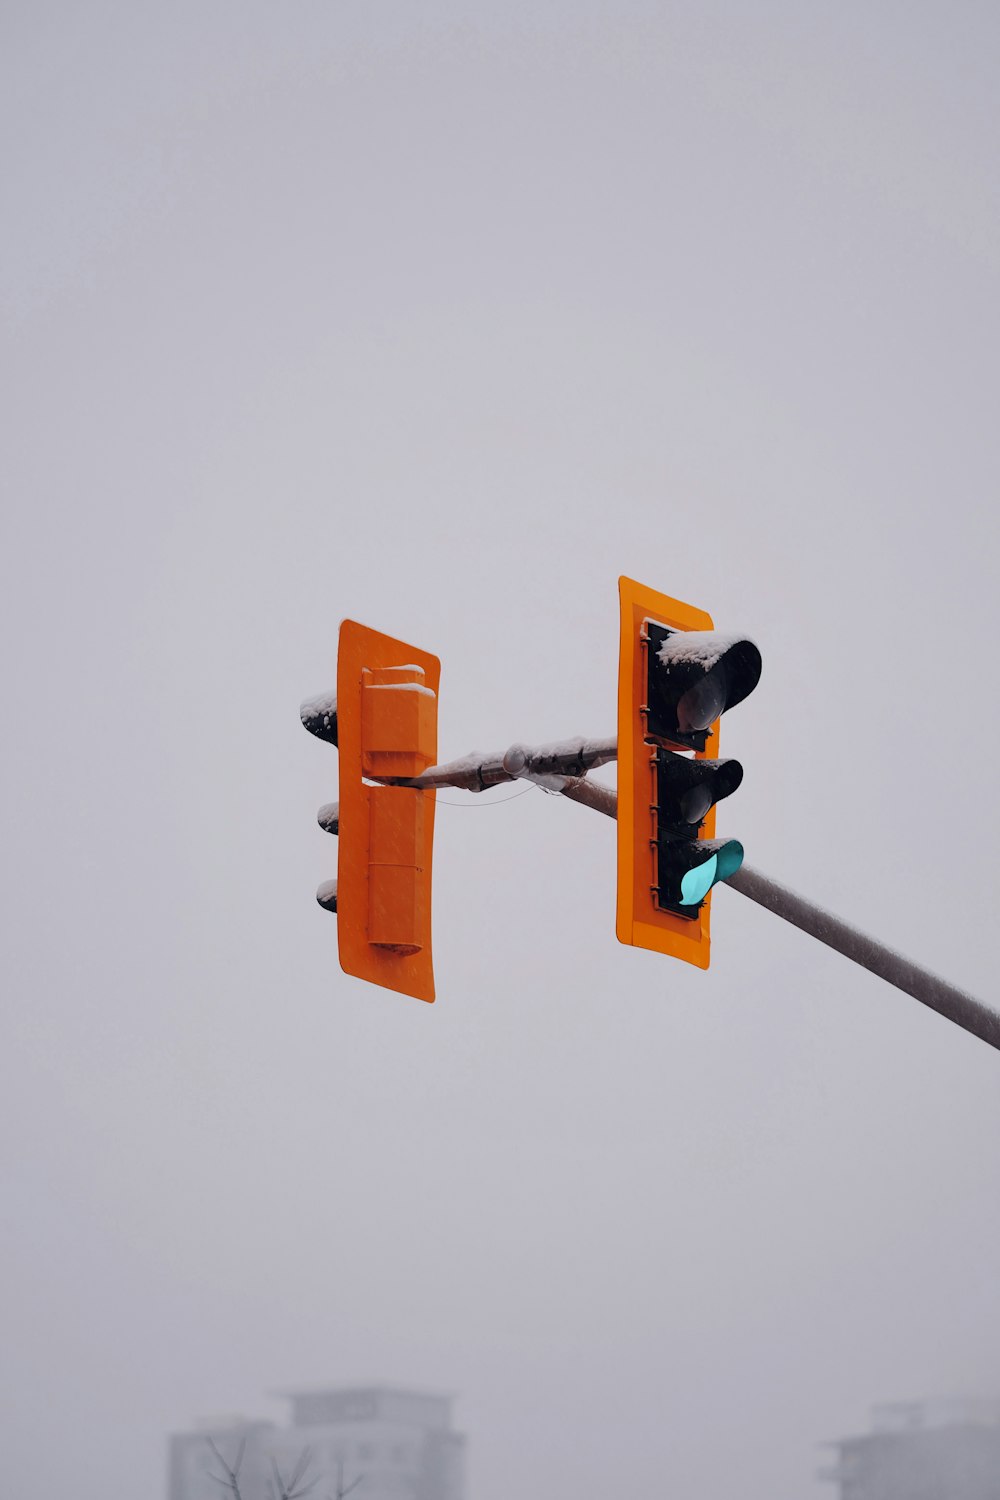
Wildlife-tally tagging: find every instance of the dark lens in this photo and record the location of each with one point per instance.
(702, 704)
(727, 779)
(696, 802)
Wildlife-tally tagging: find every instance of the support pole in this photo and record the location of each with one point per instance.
(562, 768)
(477, 771)
(930, 989)
(952, 1003)
(603, 799)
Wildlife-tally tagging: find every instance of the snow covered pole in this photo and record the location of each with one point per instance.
(562, 768)
(477, 771)
(930, 989)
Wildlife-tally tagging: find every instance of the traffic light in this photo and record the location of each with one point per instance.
(676, 678)
(383, 720)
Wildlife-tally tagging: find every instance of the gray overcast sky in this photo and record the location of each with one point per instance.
(441, 316)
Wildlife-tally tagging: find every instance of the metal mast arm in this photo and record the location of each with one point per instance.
(930, 989)
(562, 768)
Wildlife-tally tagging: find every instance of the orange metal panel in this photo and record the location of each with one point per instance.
(386, 726)
(640, 922)
(398, 721)
(396, 885)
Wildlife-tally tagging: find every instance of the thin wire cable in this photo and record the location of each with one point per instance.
(494, 801)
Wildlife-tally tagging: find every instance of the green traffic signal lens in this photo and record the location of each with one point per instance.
(730, 859)
(707, 864)
(696, 883)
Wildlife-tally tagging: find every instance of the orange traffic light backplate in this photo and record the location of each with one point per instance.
(640, 922)
(386, 726)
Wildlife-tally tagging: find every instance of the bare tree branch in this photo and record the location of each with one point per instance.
(344, 1490)
(292, 1488)
(300, 1468)
(232, 1473)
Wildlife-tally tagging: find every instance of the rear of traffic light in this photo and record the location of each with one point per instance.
(383, 720)
(676, 678)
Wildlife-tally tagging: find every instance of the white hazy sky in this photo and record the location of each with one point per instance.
(441, 316)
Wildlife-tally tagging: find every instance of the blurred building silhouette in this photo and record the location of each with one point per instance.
(923, 1450)
(375, 1442)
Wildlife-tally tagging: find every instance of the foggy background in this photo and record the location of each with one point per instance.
(440, 316)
